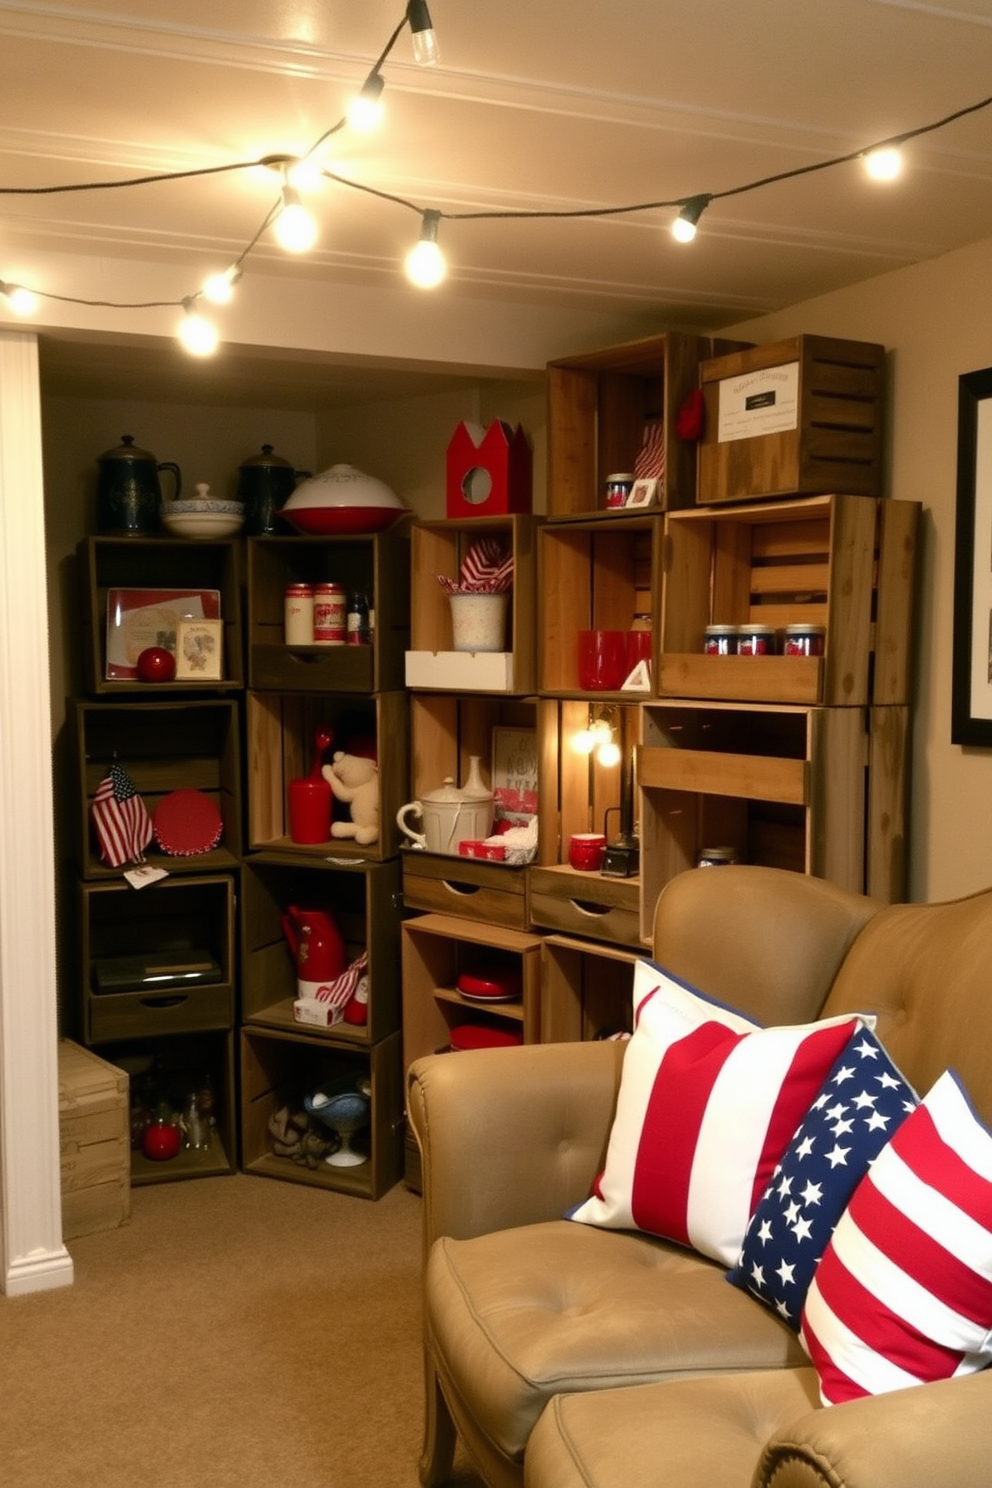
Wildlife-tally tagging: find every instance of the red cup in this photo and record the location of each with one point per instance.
(602, 660)
(638, 648)
(309, 810)
(586, 851)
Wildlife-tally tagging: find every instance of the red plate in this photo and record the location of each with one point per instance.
(187, 822)
(500, 985)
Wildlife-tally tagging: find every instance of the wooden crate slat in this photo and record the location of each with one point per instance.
(752, 777)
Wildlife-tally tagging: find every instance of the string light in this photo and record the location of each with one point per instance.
(365, 110)
(295, 228)
(426, 52)
(684, 226)
(884, 164)
(21, 301)
(425, 265)
(219, 288)
(198, 335)
(598, 738)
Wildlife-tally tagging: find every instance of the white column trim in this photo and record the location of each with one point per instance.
(32, 1254)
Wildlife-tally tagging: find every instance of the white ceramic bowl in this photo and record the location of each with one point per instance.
(203, 519)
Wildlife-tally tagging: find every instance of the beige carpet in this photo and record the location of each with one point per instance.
(238, 1333)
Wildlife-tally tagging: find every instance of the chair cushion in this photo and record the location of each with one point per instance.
(903, 1294)
(708, 1102)
(862, 1102)
(520, 1315)
(681, 1434)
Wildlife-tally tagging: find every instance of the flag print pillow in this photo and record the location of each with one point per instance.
(862, 1102)
(903, 1294)
(708, 1101)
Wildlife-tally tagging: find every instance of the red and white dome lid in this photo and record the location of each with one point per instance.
(342, 499)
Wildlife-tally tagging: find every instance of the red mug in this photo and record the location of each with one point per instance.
(602, 660)
(586, 851)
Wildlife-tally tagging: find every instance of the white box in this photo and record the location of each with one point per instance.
(317, 1014)
(460, 671)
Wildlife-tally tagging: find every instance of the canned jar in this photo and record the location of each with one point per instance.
(805, 640)
(618, 488)
(756, 640)
(298, 615)
(716, 857)
(720, 640)
(329, 615)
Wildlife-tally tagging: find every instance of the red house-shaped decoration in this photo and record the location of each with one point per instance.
(489, 471)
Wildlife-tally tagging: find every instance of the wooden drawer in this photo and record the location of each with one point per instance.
(125, 1015)
(490, 892)
(586, 904)
(847, 563)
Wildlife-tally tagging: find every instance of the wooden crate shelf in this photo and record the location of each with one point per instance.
(844, 562)
(280, 1068)
(280, 730)
(439, 548)
(586, 990)
(364, 899)
(377, 565)
(606, 909)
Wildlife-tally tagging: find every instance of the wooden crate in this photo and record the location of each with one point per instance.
(106, 563)
(813, 790)
(94, 1142)
(587, 990)
(378, 565)
(364, 899)
(164, 746)
(575, 792)
(590, 904)
(439, 548)
(803, 415)
(436, 949)
(280, 731)
(847, 563)
(495, 893)
(593, 576)
(279, 1068)
(598, 404)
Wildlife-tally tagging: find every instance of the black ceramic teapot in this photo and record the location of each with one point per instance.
(128, 495)
(265, 482)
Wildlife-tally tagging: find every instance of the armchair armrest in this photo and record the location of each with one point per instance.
(510, 1137)
(939, 1433)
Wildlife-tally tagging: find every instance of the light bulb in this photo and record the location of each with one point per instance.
(21, 301)
(584, 741)
(365, 110)
(219, 288)
(609, 753)
(198, 335)
(426, 51)
(684, 226)
(295, 227)
(304, 175)
(425, 265)
(884, 164)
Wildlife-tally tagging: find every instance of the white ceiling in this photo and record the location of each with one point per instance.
(536, 105)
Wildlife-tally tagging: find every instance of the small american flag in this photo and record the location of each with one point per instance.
(120, 820)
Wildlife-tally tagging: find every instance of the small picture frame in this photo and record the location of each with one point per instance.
(200, 650)
(643, 492)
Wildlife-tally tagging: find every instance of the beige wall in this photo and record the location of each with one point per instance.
(936, 320)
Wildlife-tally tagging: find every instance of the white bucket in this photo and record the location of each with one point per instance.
(478, 621)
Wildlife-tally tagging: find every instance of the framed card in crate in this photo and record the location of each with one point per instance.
(139, 618)
(514, 775)
(200, 650)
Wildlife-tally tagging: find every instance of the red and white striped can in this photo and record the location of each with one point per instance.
(329, 615)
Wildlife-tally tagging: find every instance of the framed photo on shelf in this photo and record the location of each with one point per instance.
(200, 650)
(971, 669)
(139, 618)
(643, 492)
(514, 775)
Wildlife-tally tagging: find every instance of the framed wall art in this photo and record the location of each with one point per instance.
(971, 672)
(200, 650)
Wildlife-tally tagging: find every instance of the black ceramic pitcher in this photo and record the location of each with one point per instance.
(265, 482)
(128, 495)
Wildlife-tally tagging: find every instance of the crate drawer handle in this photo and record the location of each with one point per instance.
(460, 888)
(164, 1001)
(586, 907)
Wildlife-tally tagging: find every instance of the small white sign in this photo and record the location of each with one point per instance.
(765, 402)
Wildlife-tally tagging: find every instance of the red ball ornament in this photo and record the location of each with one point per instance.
(161, 1140)
(156, 664)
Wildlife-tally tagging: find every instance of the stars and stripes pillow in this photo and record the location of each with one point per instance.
(903, 1294)
(863, 1101)
(708, 1101)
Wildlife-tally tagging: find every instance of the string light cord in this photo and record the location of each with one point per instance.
(695, 200)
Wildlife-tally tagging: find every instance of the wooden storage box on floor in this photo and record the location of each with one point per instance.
(94, 1138)
(801, 415)
(813, 790)
(847, 563)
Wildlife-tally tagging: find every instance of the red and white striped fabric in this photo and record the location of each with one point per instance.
(120, 819)
(903, 1293)
(708, 1103)
(344, 987)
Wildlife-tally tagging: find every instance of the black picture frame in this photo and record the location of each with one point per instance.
(971, 688)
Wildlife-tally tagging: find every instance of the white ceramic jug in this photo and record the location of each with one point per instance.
(449, 815)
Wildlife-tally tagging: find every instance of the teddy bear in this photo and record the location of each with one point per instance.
(355, 781)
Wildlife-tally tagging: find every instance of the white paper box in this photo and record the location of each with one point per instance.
(460, 671)
(317, 1014)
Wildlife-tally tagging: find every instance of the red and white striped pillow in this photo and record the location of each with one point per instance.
(708, 1103)
(903, 1293)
